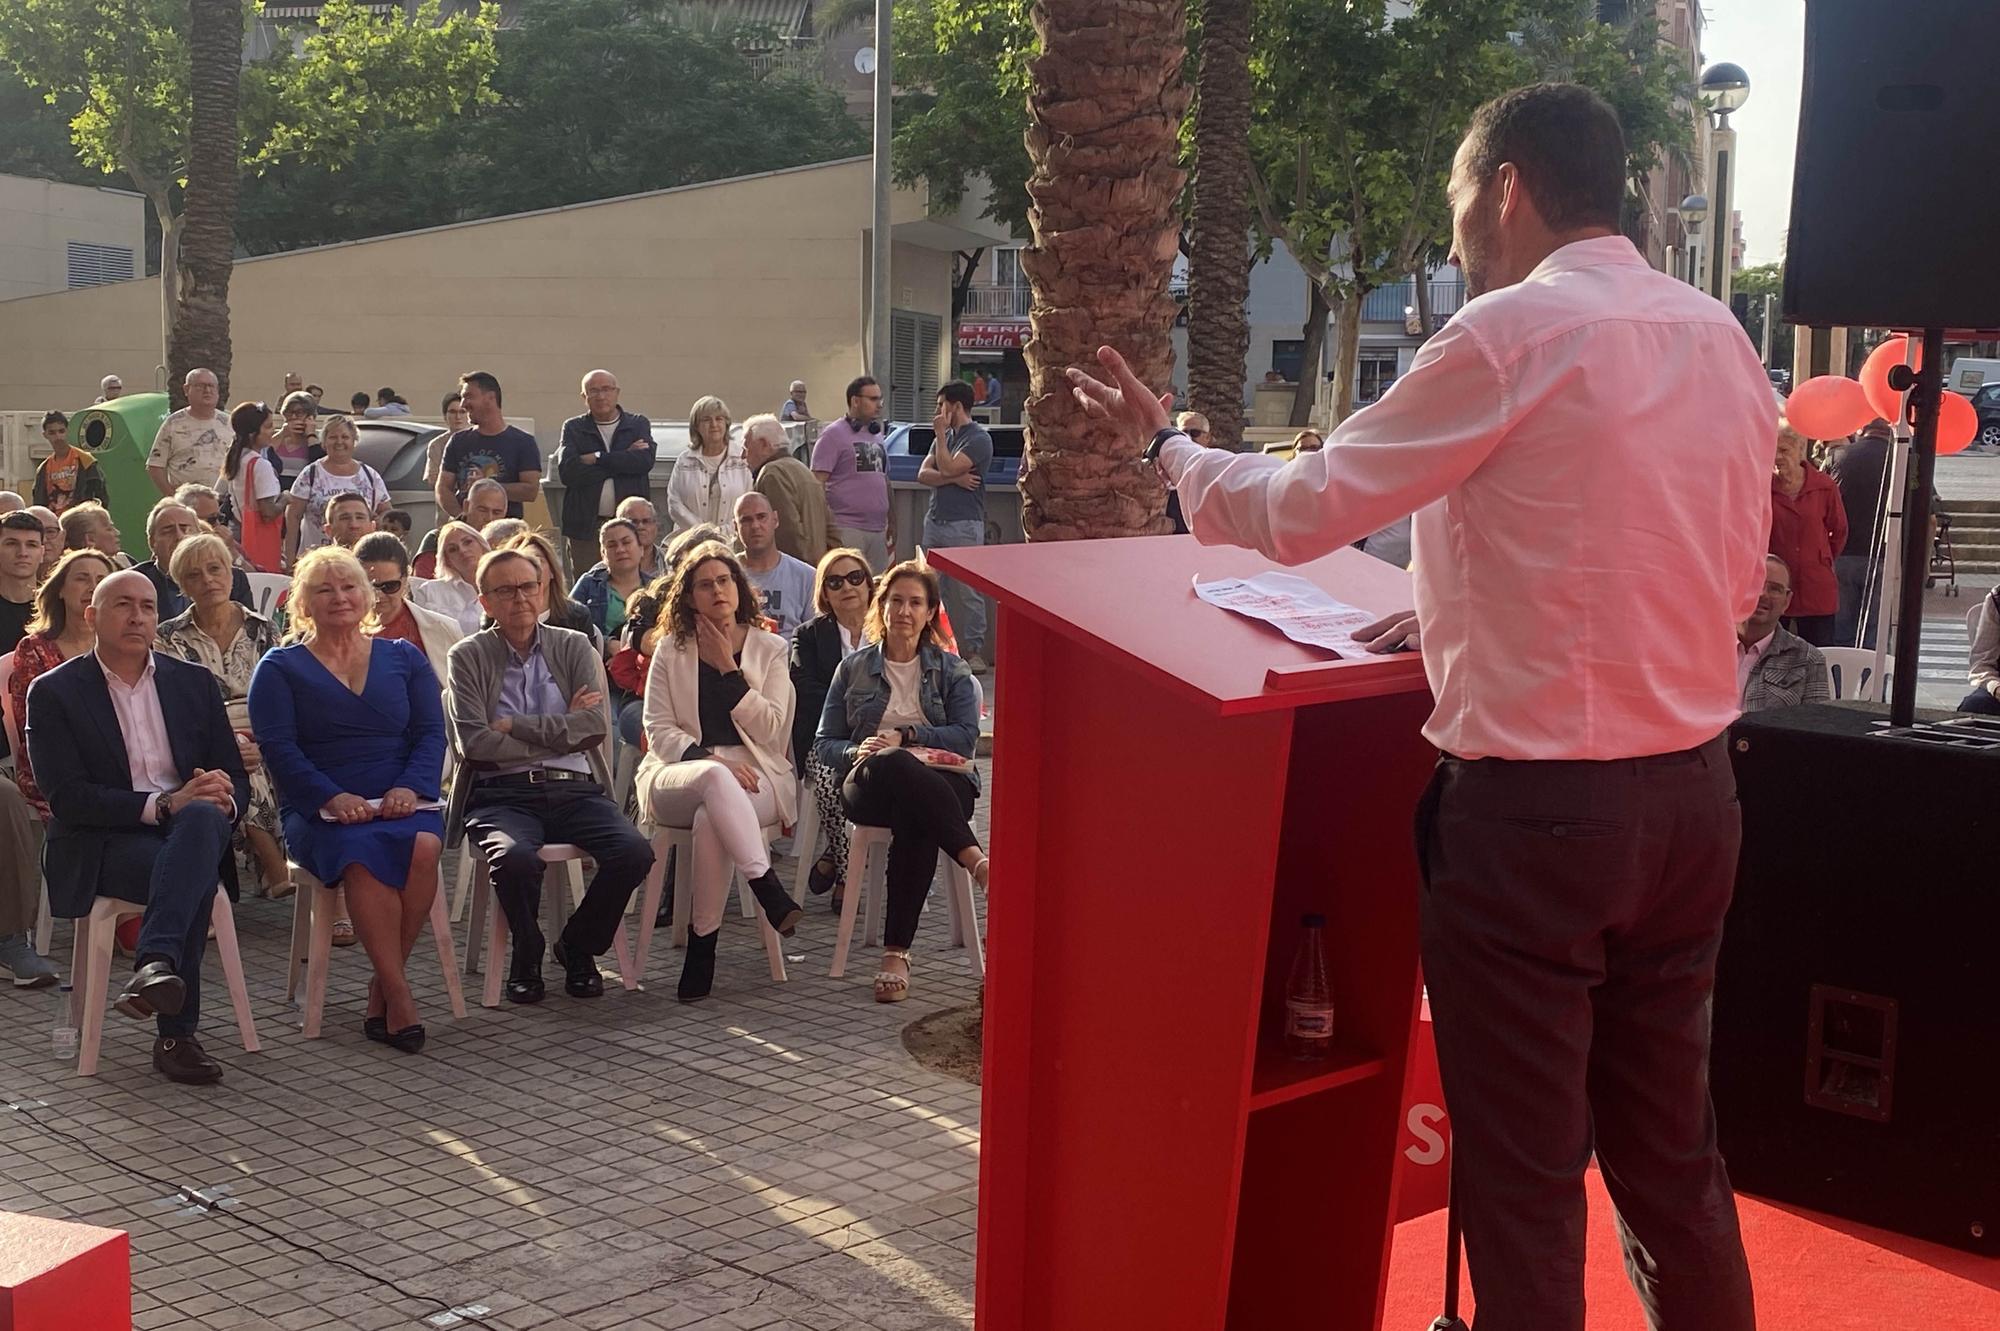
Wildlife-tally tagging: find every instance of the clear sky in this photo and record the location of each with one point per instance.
(1767, 38)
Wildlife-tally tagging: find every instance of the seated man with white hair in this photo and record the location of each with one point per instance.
(170, 523)
(134, 751)
(485, 503)
(9, 502)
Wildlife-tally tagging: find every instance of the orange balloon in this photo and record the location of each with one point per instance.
(1888, 403)
(1958, 423)
(1831, 406)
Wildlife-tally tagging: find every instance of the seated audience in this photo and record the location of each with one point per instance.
(228, 641)
(645, 520)
(528, 714)
(52, 538)
(718, 722)
(170, 523)
(88, 526)
(502, 530)
(60, 630)
(136, 757)
(841, 595)
(21, 892)
(398, 524)
(20, 571)
(899, 692)
(1985, 672)
(614, 580)
(558, 609)
(784, 585)
(392, 614)
(451, 592)
(644, 625)
(353, 731)
(256, 491)
(348, 519)
(485, 504)
(1775, 667)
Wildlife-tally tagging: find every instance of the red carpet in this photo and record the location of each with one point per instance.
(1811, 1271)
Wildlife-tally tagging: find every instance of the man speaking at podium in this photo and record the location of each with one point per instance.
(1587, 447)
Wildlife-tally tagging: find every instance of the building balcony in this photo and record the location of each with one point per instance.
(1391, 304)
(987, 300)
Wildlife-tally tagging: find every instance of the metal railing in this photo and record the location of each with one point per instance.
(986, 300)
(1388, 304)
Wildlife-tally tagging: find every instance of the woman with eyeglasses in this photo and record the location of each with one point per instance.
(712, 475)
(840, 592)
(393, 615)
(297, 445)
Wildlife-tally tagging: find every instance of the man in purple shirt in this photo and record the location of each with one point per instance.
(851, 462)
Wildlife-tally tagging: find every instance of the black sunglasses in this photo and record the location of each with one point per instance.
(858, 578)
(389, 588)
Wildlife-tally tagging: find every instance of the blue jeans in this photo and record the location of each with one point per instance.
(1850, 572)
(178, 897)
(966, 607)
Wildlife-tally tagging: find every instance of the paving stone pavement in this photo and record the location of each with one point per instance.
(770, 1158)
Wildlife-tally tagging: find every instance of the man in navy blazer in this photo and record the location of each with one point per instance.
(144, 780)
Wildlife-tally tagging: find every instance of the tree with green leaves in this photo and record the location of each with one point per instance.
(1766, 279)
(127, 66)
(962, 101)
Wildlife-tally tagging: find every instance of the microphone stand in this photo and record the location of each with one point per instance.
(1925, 388)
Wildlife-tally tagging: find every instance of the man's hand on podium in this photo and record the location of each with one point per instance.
(1135, 409)
(1392, 633)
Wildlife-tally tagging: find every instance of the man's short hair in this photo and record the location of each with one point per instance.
(630, 501)
(109, 380)
(503, 529)
(1190, 420)
(54, 418)
(797, 384)
(1566, 143)
(194, 490)
(79, 520)
(855, 386)
(485, 483)
(493, 558)
(397, 518)
(383, 547)
(153, 514)
(22, 520)
(335, 501)
(764, 423)
(958, 392)
(359, 402)
(483, 380)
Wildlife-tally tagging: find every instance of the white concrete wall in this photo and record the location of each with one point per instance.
(38, 219)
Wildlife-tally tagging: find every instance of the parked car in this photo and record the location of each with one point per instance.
(1986, 401)
(394, 446)
(908, 443)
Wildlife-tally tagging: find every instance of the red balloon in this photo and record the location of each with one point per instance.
(1888, 403)
(1829, 407)
(1958, 423)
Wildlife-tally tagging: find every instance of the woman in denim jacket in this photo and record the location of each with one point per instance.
(897, 709)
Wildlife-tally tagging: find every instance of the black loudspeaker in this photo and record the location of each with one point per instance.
(1898, 174)
(1856, 1066)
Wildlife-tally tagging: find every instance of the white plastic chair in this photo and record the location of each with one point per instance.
(553, 916)
(869, 847)
(805, 837)
(1855, 665)
(680, 842)
(264, 590)
(312, 948)
(90, 972)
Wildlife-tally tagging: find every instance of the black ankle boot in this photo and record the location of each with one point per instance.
(698, 971)
(779, 908)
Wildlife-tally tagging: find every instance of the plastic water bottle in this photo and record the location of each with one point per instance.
(62, 1032)
(1309, 996)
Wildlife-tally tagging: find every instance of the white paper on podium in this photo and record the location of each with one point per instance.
(1300, 610)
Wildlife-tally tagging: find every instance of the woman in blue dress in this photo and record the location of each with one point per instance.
(352, 729)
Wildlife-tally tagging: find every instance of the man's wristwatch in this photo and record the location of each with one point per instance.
(163, 809)
(1152, 453)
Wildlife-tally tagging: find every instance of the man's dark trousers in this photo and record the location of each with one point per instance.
(509, 821)
(177, 893)
(1571, 917)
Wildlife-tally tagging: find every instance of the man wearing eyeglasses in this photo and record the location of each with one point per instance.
(528, 717)
(852, 464)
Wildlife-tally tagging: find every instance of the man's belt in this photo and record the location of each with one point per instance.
(537, 776)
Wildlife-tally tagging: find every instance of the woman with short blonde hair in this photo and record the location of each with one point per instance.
(455, 589)
(352, 729)
(712, 475)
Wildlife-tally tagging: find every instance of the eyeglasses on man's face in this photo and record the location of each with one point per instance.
(514, 591)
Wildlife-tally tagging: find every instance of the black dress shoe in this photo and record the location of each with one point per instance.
(821, 881)
(410, 1039)
(580, 977)
(524, 981)
(376, 1029)
(698, 971)
(779, 908)
(179, 1058)
(154, 989)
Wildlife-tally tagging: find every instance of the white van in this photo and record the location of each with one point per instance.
(1969, 374)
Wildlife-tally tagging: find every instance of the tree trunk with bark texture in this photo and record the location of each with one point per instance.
(1421, 279)
(1219, 260)
(1105, 103)
(1311, 357)
(1346, 352)
(215, 154)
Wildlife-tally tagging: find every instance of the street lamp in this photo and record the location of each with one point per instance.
(1725, 87)
(1693, 209)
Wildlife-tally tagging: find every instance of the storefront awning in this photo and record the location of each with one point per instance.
(993, 335)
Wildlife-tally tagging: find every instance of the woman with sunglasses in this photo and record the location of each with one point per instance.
(393, 614)
(841, 593)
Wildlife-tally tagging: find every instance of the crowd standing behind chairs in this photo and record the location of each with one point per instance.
(316, 735)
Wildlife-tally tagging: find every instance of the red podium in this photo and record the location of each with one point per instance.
(1174, 786)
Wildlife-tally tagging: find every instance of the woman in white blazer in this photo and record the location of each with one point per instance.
(393, 614)
(718, 722)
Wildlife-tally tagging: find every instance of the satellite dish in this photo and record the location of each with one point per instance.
(864, 60)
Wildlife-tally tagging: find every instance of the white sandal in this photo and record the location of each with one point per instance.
(893, 986)
(980, 870)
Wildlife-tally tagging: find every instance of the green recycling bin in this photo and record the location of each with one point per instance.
(120, 433)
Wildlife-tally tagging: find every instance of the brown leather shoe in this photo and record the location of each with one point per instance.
(153, 988)
(179, 1058)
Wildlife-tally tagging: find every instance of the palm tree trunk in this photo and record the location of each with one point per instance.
(208, 242)
(1219, 259)
(1105, 101)
(1346, 352)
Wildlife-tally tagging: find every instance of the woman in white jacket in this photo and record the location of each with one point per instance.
(711, 476)
(718, 721)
